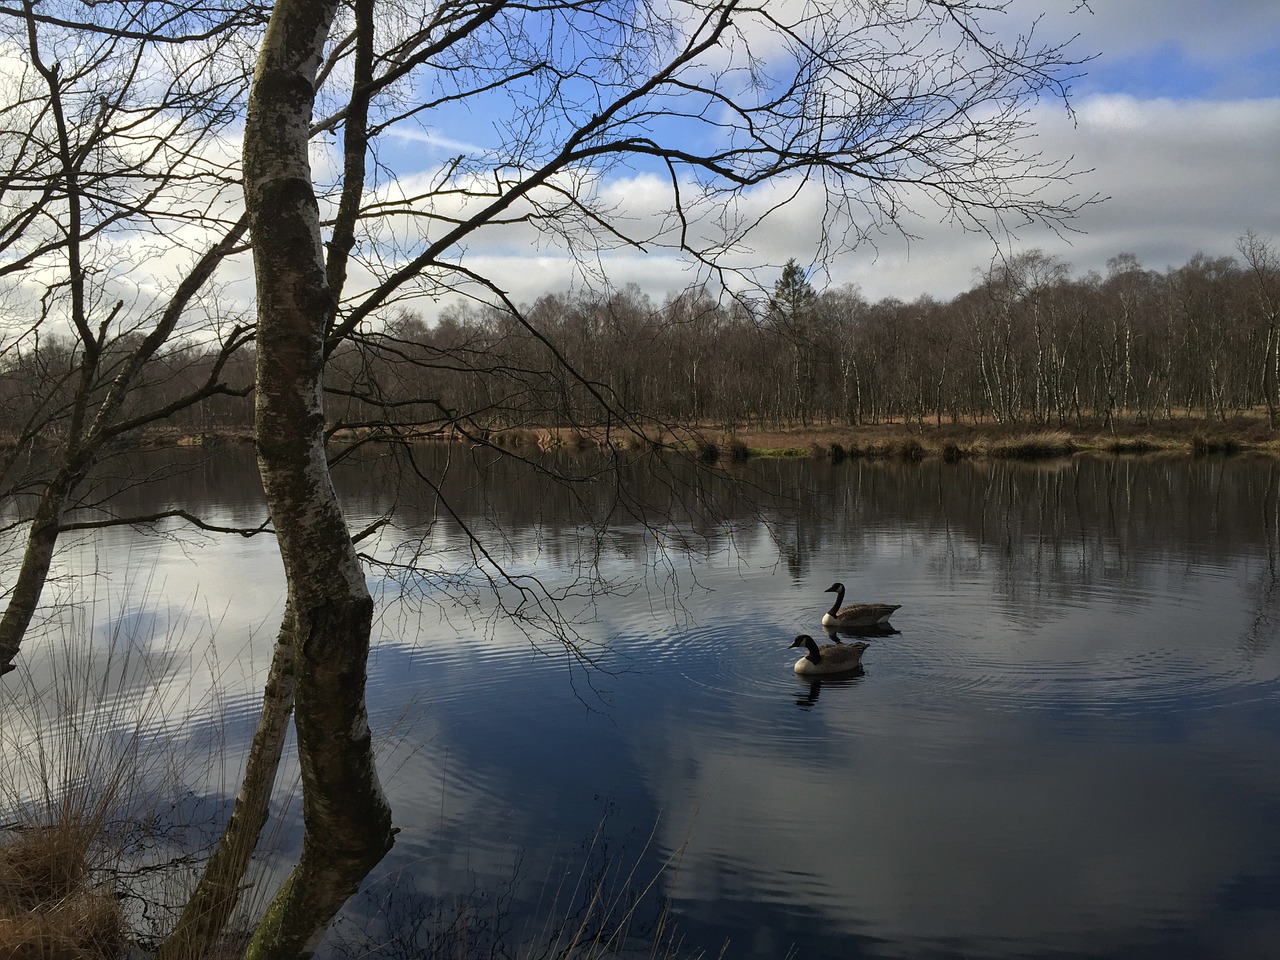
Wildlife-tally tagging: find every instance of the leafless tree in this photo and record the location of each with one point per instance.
(1263, 264)
(111, 166)
(738, 106)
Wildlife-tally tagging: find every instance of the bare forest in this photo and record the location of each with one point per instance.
(202, 234)
(1030, 343)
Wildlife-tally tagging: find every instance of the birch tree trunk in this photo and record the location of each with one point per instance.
(208, 910)
(34, 570)
(347, 821)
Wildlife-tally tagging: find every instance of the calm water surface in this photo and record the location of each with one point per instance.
(1068, 748)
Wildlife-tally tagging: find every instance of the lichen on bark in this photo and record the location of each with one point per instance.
(347, 821)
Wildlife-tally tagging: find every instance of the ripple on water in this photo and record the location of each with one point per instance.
(1064, 657)
(444, 672)
(1009, 670)
(718, 662)
(741, 686)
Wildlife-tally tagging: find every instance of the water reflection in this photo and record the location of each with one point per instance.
(1061, 747)
(809, 698)
(836, 634)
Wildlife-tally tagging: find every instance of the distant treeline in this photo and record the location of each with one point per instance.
(1029, 343)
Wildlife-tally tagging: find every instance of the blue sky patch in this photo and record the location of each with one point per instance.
(1167, 71)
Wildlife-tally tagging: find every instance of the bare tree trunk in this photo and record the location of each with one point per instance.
(36, 559)
(1271, 379)
(346, 818)
(205, 916)
(86, 437)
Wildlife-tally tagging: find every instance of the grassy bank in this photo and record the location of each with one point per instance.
(955, 442)
(950, 442)
(1185, 436)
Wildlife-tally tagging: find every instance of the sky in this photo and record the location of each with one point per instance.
(1176, 119)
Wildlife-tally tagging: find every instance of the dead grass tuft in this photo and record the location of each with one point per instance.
(1033, 446)
(43, 865)
(1138, 443)
(48, 909)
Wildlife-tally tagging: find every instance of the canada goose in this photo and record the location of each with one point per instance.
(855, 614)
(829, 658)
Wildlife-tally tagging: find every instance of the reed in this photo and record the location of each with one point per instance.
(105, 743)
(602, 905)
(1138, 444)
(872, 449)
(1033, 446)
(1203, 444)
(65, 768)
(912, 450)
(833, 451)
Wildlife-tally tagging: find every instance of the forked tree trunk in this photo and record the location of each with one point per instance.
(346, 818)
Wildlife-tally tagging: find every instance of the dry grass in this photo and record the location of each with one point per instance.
(1033, 446)
(1182, 433)
(93, 762)
(1140, 443)
(49, 910)
(953, 442)
(43, 865)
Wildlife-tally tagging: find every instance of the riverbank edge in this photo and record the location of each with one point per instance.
(835, 442)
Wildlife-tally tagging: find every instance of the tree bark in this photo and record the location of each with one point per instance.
(85, 439)
(37, 557)
(346, 818)
(208, 910)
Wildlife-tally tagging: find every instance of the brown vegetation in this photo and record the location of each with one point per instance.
(1135, 361)
(951, 441)
(49, 910)
(1187, 435)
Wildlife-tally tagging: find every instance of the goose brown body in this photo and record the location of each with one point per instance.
(828, 658)
(855, 614)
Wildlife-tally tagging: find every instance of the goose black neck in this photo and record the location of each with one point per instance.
(835, 607)
(814, 655)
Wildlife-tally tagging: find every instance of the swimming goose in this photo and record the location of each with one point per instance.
(855, 614)
(829, 658)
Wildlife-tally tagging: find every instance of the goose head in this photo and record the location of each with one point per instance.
(806, 641)
(838, 589)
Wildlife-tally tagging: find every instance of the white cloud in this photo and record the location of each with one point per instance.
(1179, 177)
(1205, 30)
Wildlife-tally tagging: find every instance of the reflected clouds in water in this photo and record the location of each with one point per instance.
(1065, 749)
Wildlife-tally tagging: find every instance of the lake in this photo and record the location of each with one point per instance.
(1068, 748)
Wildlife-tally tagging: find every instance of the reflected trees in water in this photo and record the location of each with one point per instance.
(301, 288)
(597, 87)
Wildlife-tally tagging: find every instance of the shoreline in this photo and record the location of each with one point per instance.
(955, 442)
(952, 442)
(1187, 436)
